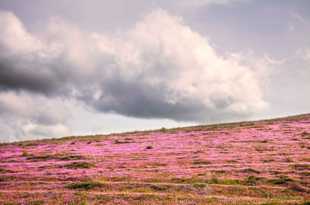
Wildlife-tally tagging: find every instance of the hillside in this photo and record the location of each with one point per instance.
(262, 162)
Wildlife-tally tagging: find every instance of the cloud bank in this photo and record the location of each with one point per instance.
(196, 3)
(160, 68)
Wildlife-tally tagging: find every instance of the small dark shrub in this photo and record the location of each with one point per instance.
(149, 147)
(25, 154)
(264, 141)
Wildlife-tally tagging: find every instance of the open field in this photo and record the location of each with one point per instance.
(263, 162)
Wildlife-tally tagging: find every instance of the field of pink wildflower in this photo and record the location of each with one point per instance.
(263, 162)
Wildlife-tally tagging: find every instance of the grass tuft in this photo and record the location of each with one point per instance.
(250, 170)
(45, 157)
(281, 180)
(252, 180)
(87, 185)
(4, 171)
(79, 165)
(201, 162)
(297, 187)
(36, 202)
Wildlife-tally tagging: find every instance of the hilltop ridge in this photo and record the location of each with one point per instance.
(193, 127)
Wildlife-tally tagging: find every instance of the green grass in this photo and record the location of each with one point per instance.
(281, 180)
(45, 157)
(250, 170)
(201, 162)
(3, 171)
(38, 157)
(199, 185)
(79, 165)
(36, 202)
(124, 141)
(301, 167)
(87, 185)
(213, 180)
(305, 135)
(297, 187)
(78, 203)
(69, 157)
(252, 180)
(223, 181)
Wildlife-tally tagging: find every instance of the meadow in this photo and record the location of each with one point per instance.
(263, 162)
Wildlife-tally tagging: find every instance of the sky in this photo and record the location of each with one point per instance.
(76, 67)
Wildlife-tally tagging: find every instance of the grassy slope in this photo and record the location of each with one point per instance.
(261, 162)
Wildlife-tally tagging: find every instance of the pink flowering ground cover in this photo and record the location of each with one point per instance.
(263, 162)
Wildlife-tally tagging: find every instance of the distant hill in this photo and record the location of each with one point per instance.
(258, 162)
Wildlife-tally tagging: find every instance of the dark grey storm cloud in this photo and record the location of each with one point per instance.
(137, 99)
(25, 79)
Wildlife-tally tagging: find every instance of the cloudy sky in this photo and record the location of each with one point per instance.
(76, 67)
